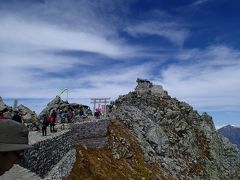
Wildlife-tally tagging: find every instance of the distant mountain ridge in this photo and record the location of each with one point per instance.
(232, 133)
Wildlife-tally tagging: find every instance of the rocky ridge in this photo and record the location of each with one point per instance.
(174, 135)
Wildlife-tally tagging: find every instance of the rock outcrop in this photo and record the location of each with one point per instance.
(58, 104)
(29, 117)
(175, 136)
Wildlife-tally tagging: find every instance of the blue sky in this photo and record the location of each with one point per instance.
(98, 48)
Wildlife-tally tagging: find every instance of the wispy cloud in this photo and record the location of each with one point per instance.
(41, 36)
(200, 2)
(34, 46)
(208, 79)
(173, 32)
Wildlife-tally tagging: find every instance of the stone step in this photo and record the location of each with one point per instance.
(94, 142)
(91, 129)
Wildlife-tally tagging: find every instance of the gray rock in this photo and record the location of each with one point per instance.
(28, 116)
(156, 137)
(2, 105)
(58, 104)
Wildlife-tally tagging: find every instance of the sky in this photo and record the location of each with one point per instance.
(98, 48)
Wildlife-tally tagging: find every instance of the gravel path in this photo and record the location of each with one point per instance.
(19, 173)
(36, 136)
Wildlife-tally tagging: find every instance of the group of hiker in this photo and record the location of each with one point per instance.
(65, 117)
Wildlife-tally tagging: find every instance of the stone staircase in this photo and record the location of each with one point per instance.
(92, 134)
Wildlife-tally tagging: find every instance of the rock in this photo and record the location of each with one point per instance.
(156, 137)
(171, 114)
(2, 105)
(29, 117)
(158, 90)
(129, 155)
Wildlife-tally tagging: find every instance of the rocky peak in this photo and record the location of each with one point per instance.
(175, 136)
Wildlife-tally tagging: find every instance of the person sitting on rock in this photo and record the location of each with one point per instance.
(17, 117)
(9, 113)
(13, 140)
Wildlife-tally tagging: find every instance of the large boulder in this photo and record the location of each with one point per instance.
(29, 117)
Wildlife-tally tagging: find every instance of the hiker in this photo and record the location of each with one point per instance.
(62, 115)
(69, 115)
(17, 117)
(13, 140)
(97, 113)
(81, 112)
(51, 120)
(54, 120)
(45, 123)
(9, 113)
(2, 117)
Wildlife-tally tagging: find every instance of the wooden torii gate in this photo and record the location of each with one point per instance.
(100, 101)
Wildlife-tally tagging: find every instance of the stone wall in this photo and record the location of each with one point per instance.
(47, 153)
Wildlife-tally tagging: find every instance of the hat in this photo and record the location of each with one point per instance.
(13, 136)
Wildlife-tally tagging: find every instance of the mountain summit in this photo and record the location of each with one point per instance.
(175, 136)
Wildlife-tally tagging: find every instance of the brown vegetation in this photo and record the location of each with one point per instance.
(93, 163)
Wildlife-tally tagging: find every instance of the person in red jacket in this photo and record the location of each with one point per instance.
(2, 117)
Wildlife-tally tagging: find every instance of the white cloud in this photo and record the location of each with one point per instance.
(174, 32)
(208, 80)
(41, 36)
(30, 38)
(223, 125)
